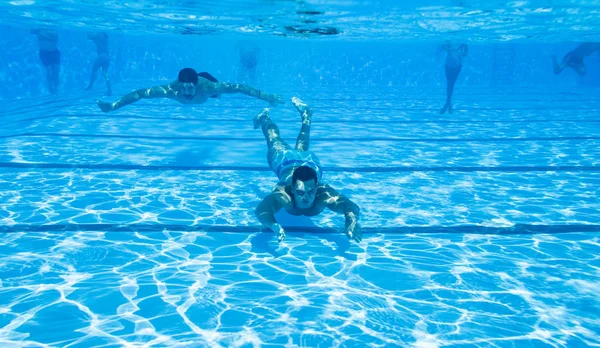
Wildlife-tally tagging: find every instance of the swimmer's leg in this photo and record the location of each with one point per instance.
(558, 68)
(451, 76)
(276, 146)
(97, 64)
(105, 72)
(581, 70)
(104, 67)
(303, 140)
(49, 77)
(56, 77)
(579, 67)
(54, 71)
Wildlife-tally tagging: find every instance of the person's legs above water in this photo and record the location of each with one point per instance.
(277, 148)
(303, 140)
(451, 76)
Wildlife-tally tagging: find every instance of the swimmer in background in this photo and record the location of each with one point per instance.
(190, 88)
(300, 190)
(49, 55)
(454, 60)
(248, 53)
(574, 58)
(102, 59)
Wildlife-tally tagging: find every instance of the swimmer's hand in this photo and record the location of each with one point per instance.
(104, 106)
(279, 231)
(353, 231)
(272, 99)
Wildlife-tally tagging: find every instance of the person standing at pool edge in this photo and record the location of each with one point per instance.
(189, 88)
(49, 55)
(453, 66)
(102, 59)
(300, 190)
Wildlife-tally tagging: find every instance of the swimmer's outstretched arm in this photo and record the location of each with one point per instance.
(226, 87)
(339, 203)
(164, 91)
(265, 212)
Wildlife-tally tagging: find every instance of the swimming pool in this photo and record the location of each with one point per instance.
(137, 228)
(124, 230)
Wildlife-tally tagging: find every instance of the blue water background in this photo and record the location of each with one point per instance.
(136, 228)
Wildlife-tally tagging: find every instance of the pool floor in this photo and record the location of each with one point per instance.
(136, 228)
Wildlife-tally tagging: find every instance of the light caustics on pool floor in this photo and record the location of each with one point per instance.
(137, 227)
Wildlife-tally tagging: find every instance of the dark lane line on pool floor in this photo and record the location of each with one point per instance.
(315, 139)
(321, 121)
(461, 229)
(120, 167)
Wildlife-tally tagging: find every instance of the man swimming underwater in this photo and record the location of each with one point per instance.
(300, 190)
(190, 88)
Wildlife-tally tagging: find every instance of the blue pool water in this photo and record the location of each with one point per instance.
(136, 227)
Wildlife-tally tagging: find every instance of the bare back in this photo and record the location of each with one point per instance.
(48, 40)
(101, 41)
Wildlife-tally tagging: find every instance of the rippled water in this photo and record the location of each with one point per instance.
(136, 227)
(235, 290)
(483, 21)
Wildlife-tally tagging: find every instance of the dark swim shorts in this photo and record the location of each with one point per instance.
(50, 57)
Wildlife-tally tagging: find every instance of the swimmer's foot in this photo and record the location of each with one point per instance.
(450, 108)
(558, 68)
(444, 109)
(258, 118)
(302, 107)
